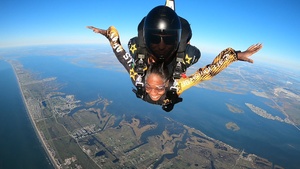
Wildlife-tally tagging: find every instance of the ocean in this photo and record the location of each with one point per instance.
(19, 145)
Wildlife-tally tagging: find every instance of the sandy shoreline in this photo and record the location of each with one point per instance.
(38, 133)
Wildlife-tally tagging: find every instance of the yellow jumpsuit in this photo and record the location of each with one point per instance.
(224, 59)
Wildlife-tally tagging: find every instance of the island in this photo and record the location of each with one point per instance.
(265, 114)
(232, 126)
(234, 109)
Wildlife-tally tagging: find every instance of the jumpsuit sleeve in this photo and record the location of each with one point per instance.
(223, 60)
(124, 58)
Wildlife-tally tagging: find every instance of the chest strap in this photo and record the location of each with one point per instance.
(140, 68)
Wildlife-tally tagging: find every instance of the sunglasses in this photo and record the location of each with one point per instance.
(168, 40)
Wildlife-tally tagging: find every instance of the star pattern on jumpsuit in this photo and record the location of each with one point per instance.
(133, 48)
(188, 59)
(132, 74)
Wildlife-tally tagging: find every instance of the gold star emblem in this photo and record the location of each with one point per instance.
(188, 59)
(166, 101)
(132, 74)
(133, 48)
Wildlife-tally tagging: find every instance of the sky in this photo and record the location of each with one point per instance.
(216, 24)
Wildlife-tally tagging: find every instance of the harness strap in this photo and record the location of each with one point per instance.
(140, 68)
(180, 66)
(140, 63)
(139, 91)
(172, 99)
(186, 35)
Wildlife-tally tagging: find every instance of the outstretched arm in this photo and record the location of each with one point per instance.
(112, 35)
(244, 56)
(97, 30)
(223, 60)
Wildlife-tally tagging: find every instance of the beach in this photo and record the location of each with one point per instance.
(27, 107)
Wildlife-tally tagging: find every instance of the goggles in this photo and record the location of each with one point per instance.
(158, 88)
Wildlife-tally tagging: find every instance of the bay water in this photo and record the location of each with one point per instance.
(202, 109)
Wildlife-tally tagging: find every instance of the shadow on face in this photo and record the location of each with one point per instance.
(162, 46)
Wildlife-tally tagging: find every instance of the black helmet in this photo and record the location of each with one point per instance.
(162, 32)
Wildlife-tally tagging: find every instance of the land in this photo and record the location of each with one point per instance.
(232, 126)
(278, 86)
(234, 109)
(85, 135)
(265, 114)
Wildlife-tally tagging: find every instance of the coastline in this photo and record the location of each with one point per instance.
(29, 106)
(38, 133)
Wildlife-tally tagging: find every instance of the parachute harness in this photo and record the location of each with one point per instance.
(140, 69)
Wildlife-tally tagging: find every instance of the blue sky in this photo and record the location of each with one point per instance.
(216, 24)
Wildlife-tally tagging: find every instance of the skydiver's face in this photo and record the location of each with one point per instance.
(162, 45)
(155, 86)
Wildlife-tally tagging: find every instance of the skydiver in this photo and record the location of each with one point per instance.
(158, 87)
(163, 37)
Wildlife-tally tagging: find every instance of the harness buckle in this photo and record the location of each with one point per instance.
(174, 87)
(139, 87)
(140, 66)
(138, 81)
(179, 69)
